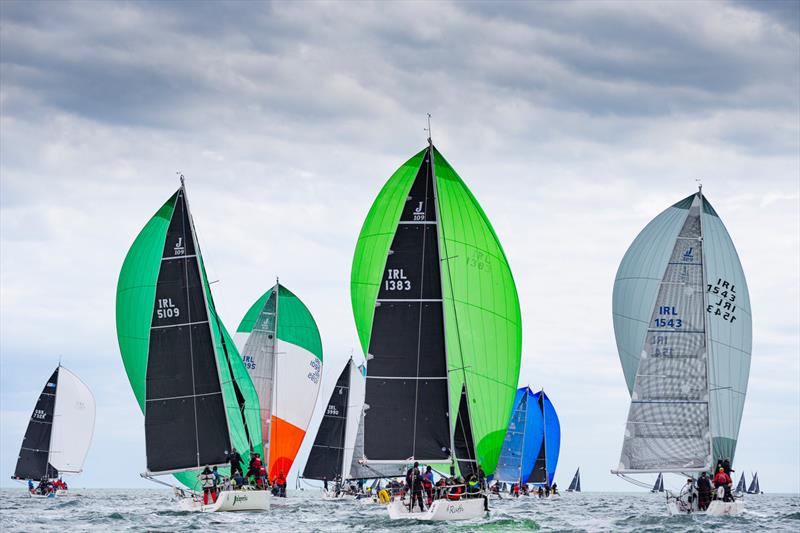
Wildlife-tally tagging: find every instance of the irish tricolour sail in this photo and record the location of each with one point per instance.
(438, 317)
(684, 333)
(281, 349)
(60, 429)
(197, 397)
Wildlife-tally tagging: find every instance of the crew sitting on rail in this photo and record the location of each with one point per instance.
(456, 489)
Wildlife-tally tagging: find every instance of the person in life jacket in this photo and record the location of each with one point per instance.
(473, 487)
(255, 466)
(236, 462)
(427, 484)
(456, 490)
(723, 480)
(703, 491)
(207, 482)
(280, 483)
(441, 488)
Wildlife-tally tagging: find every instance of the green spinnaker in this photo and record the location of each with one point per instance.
(482, 315)
(136, 289)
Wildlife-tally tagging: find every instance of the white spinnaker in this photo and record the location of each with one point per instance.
(298, 378)
(73, 423)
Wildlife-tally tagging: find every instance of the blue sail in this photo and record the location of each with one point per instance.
(532, 441)
(551, 436)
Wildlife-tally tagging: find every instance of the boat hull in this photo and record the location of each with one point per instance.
(230, 501)
(466, 509)
(715, 508)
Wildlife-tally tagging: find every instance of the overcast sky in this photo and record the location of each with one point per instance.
(574, 124)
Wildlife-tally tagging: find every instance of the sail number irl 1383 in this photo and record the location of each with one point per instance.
(396, 280)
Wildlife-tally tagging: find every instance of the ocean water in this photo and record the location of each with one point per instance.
(154, 510)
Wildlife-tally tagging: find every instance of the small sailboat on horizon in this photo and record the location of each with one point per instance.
(575, 484)
(658, 486)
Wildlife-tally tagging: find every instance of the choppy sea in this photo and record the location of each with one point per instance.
(154, 510)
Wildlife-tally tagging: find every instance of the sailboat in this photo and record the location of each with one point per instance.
(198, 400)
(438, 318)
(282, 351)
(532, 441)
(575, 484)
(658, 486)
(754, 487)
(741, 488)
(59, 432)
(330, 457)
(684, 334)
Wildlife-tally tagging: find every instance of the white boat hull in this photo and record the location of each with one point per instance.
(42, 496)
(715, 508)
(466, 509)
(228, 501)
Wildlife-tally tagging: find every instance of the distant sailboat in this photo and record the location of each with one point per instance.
(438, 316)
(575, 484)
(532, 441)
(282, 351)
(741, 488)
(59, 432)
(684, 334)
(185, 371)
(658, 486)
(754, 487)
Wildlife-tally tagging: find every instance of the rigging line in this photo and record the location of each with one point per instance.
(421, 292)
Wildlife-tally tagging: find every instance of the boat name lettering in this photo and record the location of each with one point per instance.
(455, 509)
(237, 499)
(724, 305)
(167, 309)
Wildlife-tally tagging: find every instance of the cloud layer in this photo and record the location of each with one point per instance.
(574, 123)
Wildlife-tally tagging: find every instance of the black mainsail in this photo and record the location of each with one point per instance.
(407, 384)
(34, 455)
(185, 417)
(575, 485)
(326, 460)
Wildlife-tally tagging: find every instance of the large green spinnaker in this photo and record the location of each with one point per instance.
(136, 293)
(454, 266)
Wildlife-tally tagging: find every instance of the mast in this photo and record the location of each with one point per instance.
(274, 400)
(707, 339)
(442, 242)
(201, 269)
(53, 423)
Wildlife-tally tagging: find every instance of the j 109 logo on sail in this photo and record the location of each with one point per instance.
(180, 249)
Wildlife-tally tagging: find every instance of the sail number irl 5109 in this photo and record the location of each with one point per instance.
(167, 309)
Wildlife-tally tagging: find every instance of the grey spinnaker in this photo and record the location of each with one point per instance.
(684, 334)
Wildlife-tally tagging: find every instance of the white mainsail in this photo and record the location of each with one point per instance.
(73, 423)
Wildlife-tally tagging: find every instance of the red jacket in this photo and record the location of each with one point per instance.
(721, 479)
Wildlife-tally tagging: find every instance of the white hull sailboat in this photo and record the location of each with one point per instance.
(715, 508)
(199, 404)
(231, 500)
(465, 509)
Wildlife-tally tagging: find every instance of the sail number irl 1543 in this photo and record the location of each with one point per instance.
(721, 298)
(668, 318)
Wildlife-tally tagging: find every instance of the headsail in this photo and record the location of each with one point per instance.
(658, 486)
(438, 316)
(282, 350)
(754, 487)
(327, 456)
(741, 488)
(60, 429)
(182, 365)
(684, 334)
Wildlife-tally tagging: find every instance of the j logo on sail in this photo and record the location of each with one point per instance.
(180, 249)
(419, 212)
